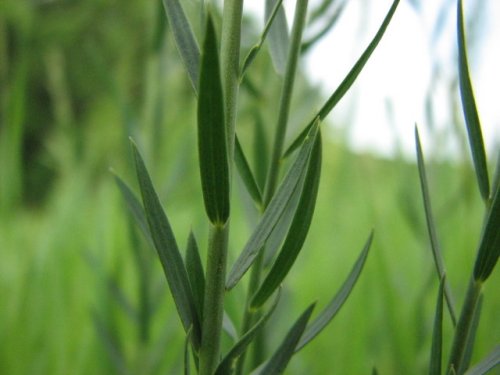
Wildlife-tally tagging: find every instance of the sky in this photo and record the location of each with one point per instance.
(380, 112)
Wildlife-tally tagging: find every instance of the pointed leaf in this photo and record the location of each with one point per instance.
(212, 141)
(346, 83)
(196, 275)
(489, 249)
(431, 227)
(272, 214)
(470, 110)
(168, 251)
(246, 173)
(437, 336)
(298, 230)
(278, 36)
(322, 320)
(487, 364)
(227, 364)
(278, 362)
(184, 39)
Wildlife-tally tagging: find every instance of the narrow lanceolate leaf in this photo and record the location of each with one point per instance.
(196, 275)
(278, 362)
(212, 141)
(437, 336)
(489, 249)
(278, 38)
(246, 173)
(470, 110)
(298, 229)
(134, 207)
(487, 364)
(168, 251)
(273, 213)
(431, 227)
(226, 366)
(347, 82)
(184, 39)
(336, 303)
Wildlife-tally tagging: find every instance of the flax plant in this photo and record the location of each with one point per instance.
(216, 72)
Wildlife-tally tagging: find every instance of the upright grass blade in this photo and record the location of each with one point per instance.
(256, 48)
(297, 232)
(168, 251)
(346, 83)
(212, 141)
(487, 364)
(228, 363)
(489, 248)
(196, 275)
(278, 35)
(272, 214)
(469, 347)
(278, 362)
(184, 39)
(437, 336)
(470, 110)
(431, 227)
(337, 302)
(246, 173)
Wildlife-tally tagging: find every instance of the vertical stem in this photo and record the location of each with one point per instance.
(464, 324)
(213, 306)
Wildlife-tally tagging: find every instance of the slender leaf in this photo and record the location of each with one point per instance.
(135, 207)
(437, 336)
(471, 338)
(278, 38)
(226, 366)
(278, 362)
(346, 83)
(272, 214)
(196, 275)
(298, 229)
(470, 110)
(246, 173)
(431, 227)
(212, 141)
(489, 249)
(261, 151)
(328, 313)
(487, 364)
(184, 39)
(187, 363)
(168, 251)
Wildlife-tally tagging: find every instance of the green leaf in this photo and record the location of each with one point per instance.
(489, 249)
(228, 326)
(261, 151)
(196, 275)
(336, 303)
(226, 366)
(168, 251)
(278, 362)
(187, 363)
(184, 39)
(471, 338)
(135, 207)
(278, 38)
(272, 214)
(212, 141)
(346, 83)
(297, 232)
(437, 336)
(487, 364)
(431, 227)
(470, 110)
(246, 173)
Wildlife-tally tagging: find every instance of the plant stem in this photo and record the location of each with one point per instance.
(213, 306)
(464, 324)
(299, 21)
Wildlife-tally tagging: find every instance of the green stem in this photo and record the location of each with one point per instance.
(213, 306)
(464, 324)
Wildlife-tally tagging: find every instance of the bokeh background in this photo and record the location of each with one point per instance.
(77, 78)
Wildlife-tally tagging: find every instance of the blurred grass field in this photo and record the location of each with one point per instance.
(78, 78)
